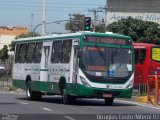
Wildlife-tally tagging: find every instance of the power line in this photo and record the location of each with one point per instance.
(50, 7)
(49, 3)
(39, 10)
(19, 5)
(8, 1)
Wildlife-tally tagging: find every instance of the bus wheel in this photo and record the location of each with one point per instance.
(31, 95)
(66, 98)
(109, 101)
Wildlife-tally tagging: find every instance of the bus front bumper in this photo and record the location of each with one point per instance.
(89, 92)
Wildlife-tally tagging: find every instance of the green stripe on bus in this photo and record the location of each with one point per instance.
(82, 91)
(43, 69)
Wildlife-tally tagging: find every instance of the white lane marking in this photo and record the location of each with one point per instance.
(47, 109)
(69, 118)
(23, 103)
(5, 92)
(140, 104)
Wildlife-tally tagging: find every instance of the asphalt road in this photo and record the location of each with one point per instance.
(15, 106)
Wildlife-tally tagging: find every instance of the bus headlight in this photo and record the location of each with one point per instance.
(130, 85)
(84, 82)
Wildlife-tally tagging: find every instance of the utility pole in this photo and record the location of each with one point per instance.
(70, 20)
(95, 17)
(105, 10)
(44, 18)
(31, 24)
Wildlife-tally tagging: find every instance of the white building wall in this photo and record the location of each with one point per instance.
(147, 10)
(6, 40)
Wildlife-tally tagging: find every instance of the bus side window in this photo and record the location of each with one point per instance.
(22, 55)
(136, 56)
(30, 52)
(38, 53)
(56, 52)
(142, 56)
(17, 53)
(66, 51)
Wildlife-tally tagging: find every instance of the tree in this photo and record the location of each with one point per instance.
(139, 30)
(76, 23)
(12, 46)
(29, 34)
(4, 53)
(100, 28)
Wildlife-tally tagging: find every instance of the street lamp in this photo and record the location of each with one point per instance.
(57, 22)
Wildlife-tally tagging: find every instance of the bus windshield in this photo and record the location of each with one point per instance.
(106, 61)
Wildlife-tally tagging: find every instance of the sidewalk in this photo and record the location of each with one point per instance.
(144, 101)
(148, 105)
(7, 86)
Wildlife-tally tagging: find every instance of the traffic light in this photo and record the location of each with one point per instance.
(87, 23)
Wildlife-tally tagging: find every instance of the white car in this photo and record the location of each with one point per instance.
(2, 70)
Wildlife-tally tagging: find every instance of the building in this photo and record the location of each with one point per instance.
(7, 34)
(147, 10)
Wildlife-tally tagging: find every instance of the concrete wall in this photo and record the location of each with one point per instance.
(7, 34)
(6, 40)
(147, 10)
(149, 6)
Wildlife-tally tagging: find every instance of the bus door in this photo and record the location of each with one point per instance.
(44, 73)
(140, 67)
(75, 64)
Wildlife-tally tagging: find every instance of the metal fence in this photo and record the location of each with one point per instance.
(6, 83)
(153, 89)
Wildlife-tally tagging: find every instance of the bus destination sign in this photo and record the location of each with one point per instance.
(107, 40)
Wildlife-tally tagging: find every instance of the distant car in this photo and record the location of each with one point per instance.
(3, 70)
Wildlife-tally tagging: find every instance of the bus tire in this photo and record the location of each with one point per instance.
(108, 101)
(62, 84)
(67, 99)
(37, 96)
(31, 95)
(65, 96)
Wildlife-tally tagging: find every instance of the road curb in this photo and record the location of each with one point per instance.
(143, 99)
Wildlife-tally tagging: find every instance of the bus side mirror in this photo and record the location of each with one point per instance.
(76, 44)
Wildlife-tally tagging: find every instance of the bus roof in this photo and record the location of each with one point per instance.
(54, 36)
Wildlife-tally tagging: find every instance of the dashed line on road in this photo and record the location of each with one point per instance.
(68, 117)
(140, 104)
(47, 109)
(23, 103)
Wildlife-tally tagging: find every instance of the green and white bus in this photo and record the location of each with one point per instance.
(75, 65)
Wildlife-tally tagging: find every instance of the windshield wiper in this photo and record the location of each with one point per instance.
(101, 54)
(115, 53)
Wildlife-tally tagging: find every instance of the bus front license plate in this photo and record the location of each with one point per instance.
(107, 95)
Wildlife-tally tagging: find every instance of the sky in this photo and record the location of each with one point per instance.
(19, 12)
